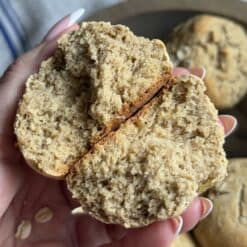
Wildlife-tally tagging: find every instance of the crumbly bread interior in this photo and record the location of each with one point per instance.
(52, 124)
(157, 162)
(219, 45)
(99, 75)
(125, 70)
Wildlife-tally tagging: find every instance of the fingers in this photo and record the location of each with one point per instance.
(229, 123)
(197, 71)
(178, 71)
(199, 209)
(11, 87)
(157, 234)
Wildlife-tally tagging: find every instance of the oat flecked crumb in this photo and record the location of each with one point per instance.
(23, 230)
(44, 215)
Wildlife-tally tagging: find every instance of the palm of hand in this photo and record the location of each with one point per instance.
(32, 192)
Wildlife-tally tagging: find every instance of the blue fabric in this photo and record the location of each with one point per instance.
(11, 15)
(8, 40)
(23, 23)
(10, 30)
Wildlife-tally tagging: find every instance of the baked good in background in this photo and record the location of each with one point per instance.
(227, 224)
(218, 44)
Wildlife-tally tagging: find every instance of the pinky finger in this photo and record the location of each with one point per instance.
(229, 123)
(158, 234)
(199, 209)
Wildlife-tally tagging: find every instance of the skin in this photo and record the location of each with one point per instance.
(23, 192)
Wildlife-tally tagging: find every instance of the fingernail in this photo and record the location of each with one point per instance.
(203, 72)
(207, 207)
(75, 17)
(199, 72)
(229, 123)
(64, 24)
(177, 224)
(179, 71)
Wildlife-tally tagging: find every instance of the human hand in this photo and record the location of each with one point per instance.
(23, 192)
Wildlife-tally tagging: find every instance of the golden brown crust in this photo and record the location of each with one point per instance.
(133, 118)
(129, 109)
(58, 174)
(112, 134)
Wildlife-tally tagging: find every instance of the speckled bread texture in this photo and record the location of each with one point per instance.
(99, 74)
(183, 240)
(52, 124)
(125, 71)
(227, 224)
(220, 46)
(153, 166)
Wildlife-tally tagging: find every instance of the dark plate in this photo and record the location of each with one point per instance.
(155, 19)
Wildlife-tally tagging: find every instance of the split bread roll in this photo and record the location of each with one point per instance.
(99, 76)
(219, 44)
(153, 166)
